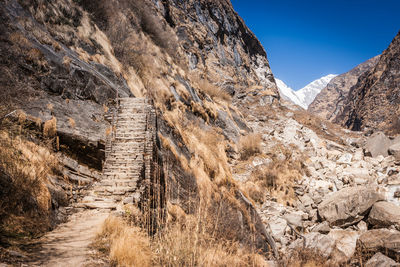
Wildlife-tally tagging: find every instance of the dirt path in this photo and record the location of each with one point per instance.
(68, 244)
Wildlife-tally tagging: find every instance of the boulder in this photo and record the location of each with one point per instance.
(380, 240)
(378, 144)
(322, 228)
(345, 244)
(345, 159)
(277, 227)
(362, 226)
(315, 241)
(339, 245)
(384, 214)
(349, 205)
(295, 218)
(394, 150)
(380, 260)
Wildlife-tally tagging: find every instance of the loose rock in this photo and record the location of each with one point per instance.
(380, 260)
(384, 214)
(349, 205)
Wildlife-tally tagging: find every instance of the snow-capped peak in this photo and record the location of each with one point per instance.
(305, 96)
(287, 92)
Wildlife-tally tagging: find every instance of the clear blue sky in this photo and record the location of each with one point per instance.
(307, 39)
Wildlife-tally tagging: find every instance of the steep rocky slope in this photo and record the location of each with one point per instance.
(240, 165)
(330, 101)
(63, 63)
(374, 101)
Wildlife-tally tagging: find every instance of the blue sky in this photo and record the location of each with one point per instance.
(307, 39)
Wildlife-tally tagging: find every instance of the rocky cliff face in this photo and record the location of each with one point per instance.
(330, 101)
(374, 101)
(66, 62)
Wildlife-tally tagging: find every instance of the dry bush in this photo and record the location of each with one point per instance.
(67, 61)
(18, 39)
(250, 145)
(278, 177)
(24, 196)
(188, 244)
(126, 245)
(210, 89)
(183, 242)
(214, 91)
(50, 127)
(209, 146)
(35, 56)
(71, 122)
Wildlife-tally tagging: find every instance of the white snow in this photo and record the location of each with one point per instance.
(305, 96)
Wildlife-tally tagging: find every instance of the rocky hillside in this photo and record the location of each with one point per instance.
(63, 63)
(330, 101)
(249, 180)
(373, 102)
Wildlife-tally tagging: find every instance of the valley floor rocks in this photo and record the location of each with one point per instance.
(349, 205)
(349, 186)
(385, 214)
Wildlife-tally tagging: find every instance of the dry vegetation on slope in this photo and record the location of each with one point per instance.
(193, 74)
(25, 201)
(184, 242)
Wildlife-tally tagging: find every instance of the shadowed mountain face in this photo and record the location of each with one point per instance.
(374, 101)
(330, 101)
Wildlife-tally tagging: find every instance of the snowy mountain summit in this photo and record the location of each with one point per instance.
(305, 96)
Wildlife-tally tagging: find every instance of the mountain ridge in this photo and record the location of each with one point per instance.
(304, 96)
(329, 102)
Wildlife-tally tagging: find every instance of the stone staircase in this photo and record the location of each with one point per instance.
(128, 156)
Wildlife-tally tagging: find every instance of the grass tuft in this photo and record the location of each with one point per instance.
(250, 145)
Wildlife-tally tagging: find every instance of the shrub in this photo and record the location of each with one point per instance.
(126, 245)
(213, 91)
(50, 127)
(24, 196)
(250, 145)
(183, 242)
(71, 122)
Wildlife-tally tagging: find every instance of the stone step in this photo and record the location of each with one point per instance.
(120, 159)
(119, 182)
(121, 175)
(122, 169)
(98, 205)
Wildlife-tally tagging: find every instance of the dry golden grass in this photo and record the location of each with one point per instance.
(50, 127)
(126, 245)
(24, 168)
(20, 40)
(71, 122)
(250, 145)
(276, 178)
(67, 61)
(210, 89)
(50, 106)
(188, 244)
(183, 242)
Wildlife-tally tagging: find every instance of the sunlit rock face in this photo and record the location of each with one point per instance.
(330, 101)
(374, 101)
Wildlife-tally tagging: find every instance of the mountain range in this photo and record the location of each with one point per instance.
(306, 95)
